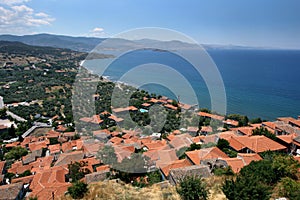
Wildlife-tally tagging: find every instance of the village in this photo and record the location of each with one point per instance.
(42, 166)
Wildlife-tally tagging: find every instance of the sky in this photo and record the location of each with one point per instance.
(259, 23)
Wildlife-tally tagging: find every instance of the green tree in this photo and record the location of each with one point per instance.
(154, 177)
(77, 171)
(16, 153)
(222, 143)
(108, 156)
(265, 132)
(78, 190)
(191, 188)
(246, 189)
(3, 113)
(289, 188)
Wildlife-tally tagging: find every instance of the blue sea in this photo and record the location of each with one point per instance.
(258, 83)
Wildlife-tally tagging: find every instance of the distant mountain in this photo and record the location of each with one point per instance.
(20, 48)
(86, 44)
(83, 44)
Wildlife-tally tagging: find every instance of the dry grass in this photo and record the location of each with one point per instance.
(111, 190)
(214, 184)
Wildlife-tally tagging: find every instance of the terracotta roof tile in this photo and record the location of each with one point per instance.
(55, 148)
(10, 191)
(259, 143)
(67, 158)
(236, 164)
(203, 154)
(174, 165)
(249, 157)
(217, 117)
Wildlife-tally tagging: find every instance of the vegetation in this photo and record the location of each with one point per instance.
(16, 153)
(77, 171)
(259, 178)
(265, 132)
(243, 120)
(224, 146)
(78, 190)
(191, 188)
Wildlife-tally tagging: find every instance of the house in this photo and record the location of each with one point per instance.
(54, 150)
(255, 144)
(96, 176)
(249, 157)
(32, 156)
(206, 130)
(192, 130)
(195, 157)
(68, 158)
(24, 180)
(124, 110)
(180, 141)
(245, 130)
(236, 164)
(211, 116)
(243, 159)
(231, 123)
(290, 141)
(49, 183)
(171, 107)
(13, 191)
(177, 174)
(162, 157)
(95, 119)
(165, 170)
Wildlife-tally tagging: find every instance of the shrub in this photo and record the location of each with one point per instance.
(192, 187)
(78, 190)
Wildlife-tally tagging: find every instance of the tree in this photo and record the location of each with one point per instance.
(3, 113)
(154, 177)
(77, 171)
(222, 143)
(265, 132)
(16, 153)
(108, 156)
(78, 190)
(191, 188)
(246, 189)
(193, 147)
(289, 188)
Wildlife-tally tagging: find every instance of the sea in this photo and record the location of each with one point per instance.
(258, 82)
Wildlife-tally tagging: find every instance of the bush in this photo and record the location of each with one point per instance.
(191, 188)
(16, 153)
(289, 188)
(78, 190)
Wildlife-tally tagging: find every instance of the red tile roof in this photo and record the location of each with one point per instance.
(236, 164)
(67, 158)
(24, 180)
(49, 183)
(129, 108)
(217, 117)
(249, 157)
(37, 145)
(174, 165)
(116, 140)
(259, 143)
(203, 154)
(54, 149)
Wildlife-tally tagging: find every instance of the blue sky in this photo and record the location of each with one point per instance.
(267, 23)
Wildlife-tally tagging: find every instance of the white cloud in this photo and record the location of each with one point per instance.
(13, 2)
(97, 32)
(20, 19)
